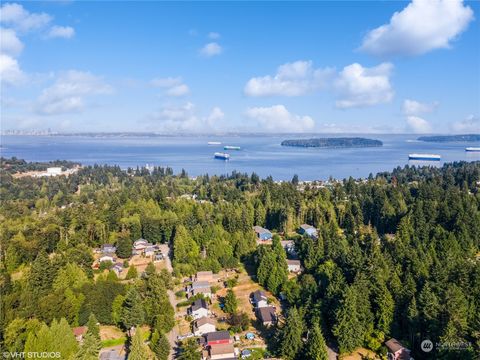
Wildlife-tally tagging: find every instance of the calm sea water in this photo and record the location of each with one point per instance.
(261, 154)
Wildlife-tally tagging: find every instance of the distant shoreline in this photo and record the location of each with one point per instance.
(451, 138)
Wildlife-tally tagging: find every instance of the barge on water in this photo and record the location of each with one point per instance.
(221, 156)
(424, 157)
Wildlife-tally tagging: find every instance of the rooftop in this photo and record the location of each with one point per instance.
(260, 230)
(393, 345)
(266, 314)
(199, 304)
(221, 349)
(217, 335)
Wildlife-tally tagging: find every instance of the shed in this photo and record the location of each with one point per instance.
(262, 233)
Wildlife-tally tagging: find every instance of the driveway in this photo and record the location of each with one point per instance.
(172, 335)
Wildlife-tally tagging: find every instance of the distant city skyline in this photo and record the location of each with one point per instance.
(212, 67)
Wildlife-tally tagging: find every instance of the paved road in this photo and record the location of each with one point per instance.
(172, 335)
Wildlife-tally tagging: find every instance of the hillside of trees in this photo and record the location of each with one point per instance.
(397, 255)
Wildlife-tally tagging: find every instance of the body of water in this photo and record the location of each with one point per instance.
(260, 154)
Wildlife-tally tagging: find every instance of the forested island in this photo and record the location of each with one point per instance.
(346, 264)
(451, 138)
(340, 142)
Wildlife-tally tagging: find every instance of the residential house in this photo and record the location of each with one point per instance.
(259, 299)
(79, 332)
(204, 276)
(262, 234)
(199, 309)
(396, 351)
(222, 352)
(308, 230)
(108, 249)
(294, 265)
(117, 268)
(266, 315)
(199, 287)
(203, 325)
(112, 354)
(106, 258)
(289, 247)
(217, 338)
(150, 250)
(140, 244)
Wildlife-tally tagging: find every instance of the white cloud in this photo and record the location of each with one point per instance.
(10, 72)
(278, 119)
(184, 118)
(471, 124)
(292, 79)
(213, 35)
(10, 48)
(68, 93)
(423, 26)
(65, 32)
(178, 90)
(215, 116)
(166, 82)
(412, 107)
(358, 86)
(174, 86)
(10, 44)
(16, 16)
(211, 49)
(418, 125)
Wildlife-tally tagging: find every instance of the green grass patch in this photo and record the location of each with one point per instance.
(113, 342)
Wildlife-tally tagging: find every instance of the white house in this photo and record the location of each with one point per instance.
(259, 299)
(199, 309)
(203, 325)
(106, 258)
(294, 265)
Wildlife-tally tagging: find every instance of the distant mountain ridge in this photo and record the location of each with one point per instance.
(451, 138)
(340, 142)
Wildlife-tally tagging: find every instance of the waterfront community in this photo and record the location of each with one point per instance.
(144, 264)
(240, 180)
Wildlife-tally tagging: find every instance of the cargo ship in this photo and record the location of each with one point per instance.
(221, 156)
(424, 157)
(229, 147)
(472, 149)
(214, 143)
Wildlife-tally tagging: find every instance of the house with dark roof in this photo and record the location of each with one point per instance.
(396, 351)
(217, 337)
(262, 233)
(198, 309)
(259, 299)
(266, 315)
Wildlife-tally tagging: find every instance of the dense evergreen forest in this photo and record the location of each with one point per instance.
(397, 255)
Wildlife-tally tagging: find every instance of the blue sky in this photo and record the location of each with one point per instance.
(381, 67)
